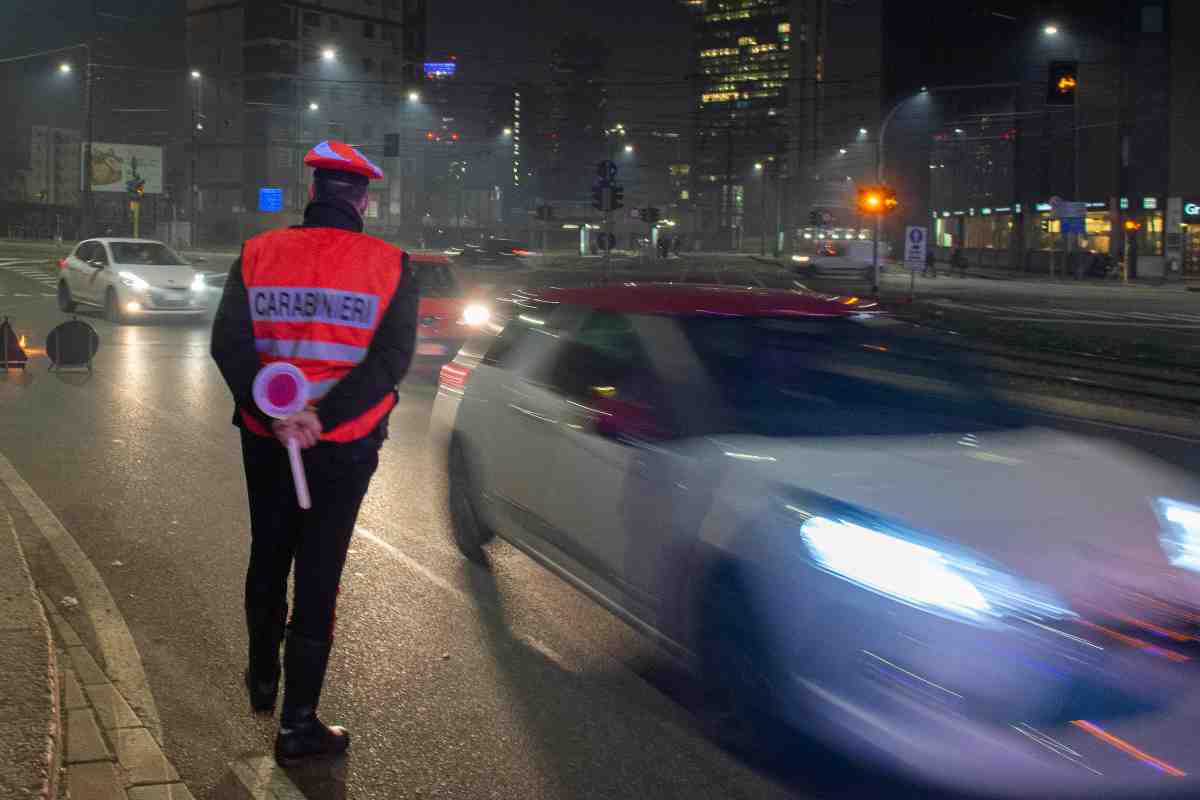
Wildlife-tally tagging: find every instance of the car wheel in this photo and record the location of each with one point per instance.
(470, 532)
(65, 303)
(112, 308)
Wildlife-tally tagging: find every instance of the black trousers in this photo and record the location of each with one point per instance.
(314, 541)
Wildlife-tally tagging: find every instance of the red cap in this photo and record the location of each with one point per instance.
(341, 157)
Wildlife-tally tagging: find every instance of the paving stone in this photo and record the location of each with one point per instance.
(163, 791)
(72, 694)
(111, 708)
(84, 742)
(86, 668)
(95, 781)
(141, 758)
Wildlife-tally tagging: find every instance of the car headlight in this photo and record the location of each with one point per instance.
(198, 284)
(475, 315)
(917, 571)
(133, 281)
(1180, 534)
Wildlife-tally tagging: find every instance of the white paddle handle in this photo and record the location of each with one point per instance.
(298, 476)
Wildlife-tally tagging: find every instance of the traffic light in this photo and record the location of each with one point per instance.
(1062, 83)
(876, 200)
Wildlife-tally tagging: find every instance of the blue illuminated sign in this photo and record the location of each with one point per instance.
(443, 69)
(270, 200)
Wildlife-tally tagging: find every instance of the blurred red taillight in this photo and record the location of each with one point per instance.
(453, 377)
(520, 252)
(62, 264)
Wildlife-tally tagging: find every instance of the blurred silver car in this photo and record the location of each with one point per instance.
(840, 526)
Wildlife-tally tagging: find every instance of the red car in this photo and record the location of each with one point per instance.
(447, 315)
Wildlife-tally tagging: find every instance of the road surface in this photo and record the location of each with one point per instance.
(455, 681)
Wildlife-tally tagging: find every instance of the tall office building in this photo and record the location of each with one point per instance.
(273, 77)
(786, 110)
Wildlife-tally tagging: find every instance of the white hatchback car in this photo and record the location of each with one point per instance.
(130, 279)
(836, 521)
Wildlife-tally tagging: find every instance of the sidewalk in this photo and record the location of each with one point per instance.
(895, 271)
(65, 729)
(31, 734)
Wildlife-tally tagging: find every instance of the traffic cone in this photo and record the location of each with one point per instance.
(11, 353)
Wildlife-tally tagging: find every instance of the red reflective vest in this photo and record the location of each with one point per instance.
(317, 296)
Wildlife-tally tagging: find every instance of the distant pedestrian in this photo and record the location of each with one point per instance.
(341, 306)
(930, 264)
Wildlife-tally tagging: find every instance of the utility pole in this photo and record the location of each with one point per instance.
(762, 203)
(89, 114)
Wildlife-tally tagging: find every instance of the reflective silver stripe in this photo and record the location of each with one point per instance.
(314, 350)
(313, 304)
(318, 389)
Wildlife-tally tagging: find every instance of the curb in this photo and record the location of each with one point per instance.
(46, 766)
(109, 753)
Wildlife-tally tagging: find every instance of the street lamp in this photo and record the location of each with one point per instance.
(1050, 30)
(313, 106)
(414, 96)
(841, 151)
(196, 74)
(508, 131)
(328, 54)
(758, 166)
(628, 148)
(64, 67)
(862, 131)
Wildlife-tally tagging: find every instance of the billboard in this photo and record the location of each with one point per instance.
(115, 165)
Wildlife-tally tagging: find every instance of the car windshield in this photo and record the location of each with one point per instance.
(436, 280)
(148, 253)
(793, 377)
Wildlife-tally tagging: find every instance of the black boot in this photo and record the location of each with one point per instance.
(301, 734)
(265, 629)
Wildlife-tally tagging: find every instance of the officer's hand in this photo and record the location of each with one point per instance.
(304, 427)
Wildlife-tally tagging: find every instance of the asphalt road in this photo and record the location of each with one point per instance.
(456, 682)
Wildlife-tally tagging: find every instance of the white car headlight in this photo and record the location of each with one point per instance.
(895, 567)
(133, 281)
(475, 315)
(907, 568)
(1180, 535)
(198, 284)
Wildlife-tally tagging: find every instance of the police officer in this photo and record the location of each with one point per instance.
(342, 306)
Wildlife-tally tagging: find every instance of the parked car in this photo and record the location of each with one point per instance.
(838, 524)
(130, 279)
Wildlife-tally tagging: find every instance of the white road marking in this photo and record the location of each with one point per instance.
(122, 660)
(413, 564)
(264, 779)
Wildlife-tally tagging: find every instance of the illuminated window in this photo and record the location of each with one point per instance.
(746, 40)
(785, 27)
